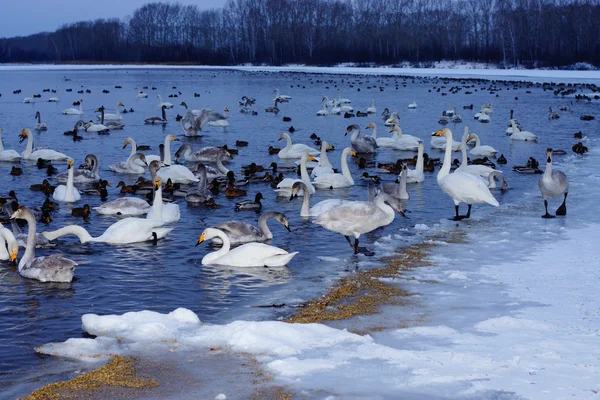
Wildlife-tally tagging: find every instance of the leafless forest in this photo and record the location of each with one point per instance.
(531, 33)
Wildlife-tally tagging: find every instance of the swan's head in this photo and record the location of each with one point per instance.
(282, 219)
(549, 155)
(100, 109)
(157, 183)
(23, 135)
(142, 157)
(183, 104)
(442, 132)
(284, 136)
(37, 114)
(226, 109)
(173, 138)
(471, 136)
(296, 187)
(20, 213)
(202, 238)
(208, 234)
(69, 163)
(121, 104)
(370, 126)
(352, 128)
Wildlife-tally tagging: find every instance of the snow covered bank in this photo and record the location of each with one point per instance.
(452, 71)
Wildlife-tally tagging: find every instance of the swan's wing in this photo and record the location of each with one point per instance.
(467, 188)
(238, 228)
(251, 255)
(189, 123)
(124, 206)
(53, 268)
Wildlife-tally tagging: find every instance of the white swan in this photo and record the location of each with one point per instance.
(416, 175)
(327, 101)
(518, 134)
(113, 117)
(332, 180)
(460, 186)
(483, 114)
(553, 184)
(39, 126)
(381, 142)
(372, 109)
(167, 213)
(52, 268)
(281, 97)
(324, 166)
(161, 103)
(130, 166)
(306, 210)
(141, 95)
(177, 173)
(8, 155)
(402, 141)
(75, 111)
(323, 112)
(67, 193)
(246, 255)
(412, 105)
(393, 117)
(243, 232)
(397, 190)
(357, 217)
(125, 231)
(54, 99)
(474, 169)
(284, 188)
(362, 143)
(439, 143)
(340, 99)
(295, 150)
(92, 127)
(9, 248)
(221, 122)
(29, 100)
(82, 176)
(30, 154)
(480, 150)
(149, 157)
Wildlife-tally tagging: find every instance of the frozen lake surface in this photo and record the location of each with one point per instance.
(512, 310)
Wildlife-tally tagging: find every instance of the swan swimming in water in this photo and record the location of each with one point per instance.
(553, 184)
(82, 176)
(333, 180)
(39, 126)
(52, 268)
(324, 166)
(45, 154)
(362, 143)
(75, 111)
(177, 173)
(295, 150)
(9, 248)
(243, 232)
(461, 186)
(130, 166)
(67, 193)
(166, 213)
(8, 155)
(284, 188)
(246, 255)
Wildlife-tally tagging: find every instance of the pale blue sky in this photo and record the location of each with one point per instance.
(24, 17)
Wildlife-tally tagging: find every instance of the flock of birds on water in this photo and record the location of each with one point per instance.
(149, 209)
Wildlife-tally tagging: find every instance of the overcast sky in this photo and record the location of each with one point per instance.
(24, 17)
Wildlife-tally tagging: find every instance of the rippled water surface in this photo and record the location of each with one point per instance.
(117, 279)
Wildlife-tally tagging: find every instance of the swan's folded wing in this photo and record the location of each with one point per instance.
(237, 228)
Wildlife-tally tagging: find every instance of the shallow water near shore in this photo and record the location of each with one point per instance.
(118, 279)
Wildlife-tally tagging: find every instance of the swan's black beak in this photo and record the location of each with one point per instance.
(288, 228)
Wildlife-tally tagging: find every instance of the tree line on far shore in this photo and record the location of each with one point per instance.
(530, 33)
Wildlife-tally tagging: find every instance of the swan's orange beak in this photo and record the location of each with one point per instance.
(439, 133)
(175, 138)
(353, 153)
(311, 158)
(13, 256)
(201, 239)
(125, 144)
(70, 163)
(157, 183)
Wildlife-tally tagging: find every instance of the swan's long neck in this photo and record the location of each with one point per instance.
(345, 170)
(96, 166)
(163, 114)
(102, 116)
(202, 179)
(288, 143)
(305, 209)
(30, 248)
(354, 136)
(262, 224)
(133, 146)
(324, 161)
(29, 147)
(118, 111)
(221, 252)
(514, 126)
(463, 150)
(81, 107)
(303, 171)
(374, 132)
(157, 205)
(70, 196)
(389, 211)
(419, 166)
(445, 170)
(548, 171)
(225, 112)
(167, 159)
(76, 230)
(397, 132)
(373, 103)
(160, 100)
(222, 169)
(1, 144)
(402, 184)
(39, 118)
(477, 140)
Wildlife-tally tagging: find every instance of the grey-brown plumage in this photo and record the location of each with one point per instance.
(553, 184)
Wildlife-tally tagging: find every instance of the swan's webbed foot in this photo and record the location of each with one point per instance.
(562, 210)
(363, 250)
(548, 216)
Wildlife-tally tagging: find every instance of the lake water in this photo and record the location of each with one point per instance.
(118, 279)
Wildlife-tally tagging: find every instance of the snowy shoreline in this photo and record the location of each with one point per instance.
(456, 71)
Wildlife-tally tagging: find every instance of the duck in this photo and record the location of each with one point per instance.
(163, 104)
(324, 166)
(333, 180)
(81, 211)
(372, 109)
(177, 173)
(45, 187)
(158, 120)
(361, 143)
(247, 255)
(130, 166)
(240, 232)
(113, 117)
(30, 154)
(52, 268)
(294, 150)
(284, 188)
(553, 183)
(518, 134)
(98, 189)
(166, 213)
(579, 148)
(125, 231)
(355, 218)
(16, 171)
(231, 190)
(39, 126)
(8, 155)
(75, 111)
(501, 160)
(385, 114)
(67, 193)
(83, 176)
(479, 150)
(249, 205)
(461, 187)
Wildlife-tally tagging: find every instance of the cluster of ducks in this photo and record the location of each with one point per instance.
(152, 217)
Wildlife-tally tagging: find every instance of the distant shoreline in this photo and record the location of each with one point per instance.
(447, 70)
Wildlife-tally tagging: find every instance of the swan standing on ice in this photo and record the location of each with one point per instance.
(45, 154)
(246, 255)
(52, 268)
(243, 232)
(357, 217)
(461, 186)
(166, 213)
(553, 184)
